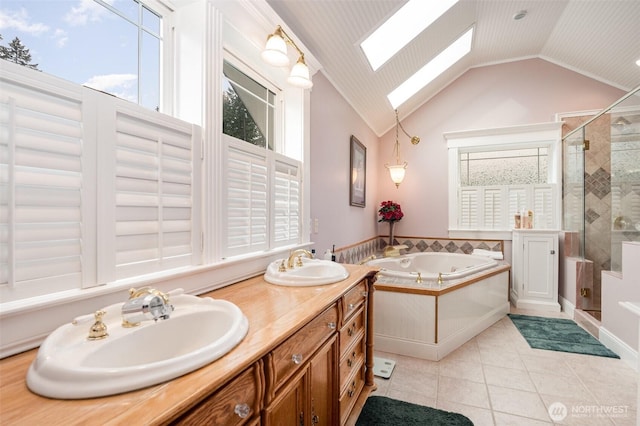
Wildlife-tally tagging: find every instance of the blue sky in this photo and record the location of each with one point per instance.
(78, 40)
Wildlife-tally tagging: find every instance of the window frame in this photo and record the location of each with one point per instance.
(548, 135)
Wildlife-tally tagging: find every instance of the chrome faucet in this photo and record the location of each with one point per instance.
(298, 253)
(145, 304)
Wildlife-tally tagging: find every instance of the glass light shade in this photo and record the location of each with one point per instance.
(299, 76)
(275, 51)
(397, 173)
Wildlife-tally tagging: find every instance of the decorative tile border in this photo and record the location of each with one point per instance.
(357, 252)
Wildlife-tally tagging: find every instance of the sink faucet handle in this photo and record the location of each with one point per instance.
(98, 330)
(299, 261)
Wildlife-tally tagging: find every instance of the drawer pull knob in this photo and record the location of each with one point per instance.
(365, 294)
(242, 410)
(296, 358)
(351, 330)
(351, 306)
(331, 325)
(349, 362)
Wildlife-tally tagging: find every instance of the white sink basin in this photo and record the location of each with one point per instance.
(312, 272)
(199, 331)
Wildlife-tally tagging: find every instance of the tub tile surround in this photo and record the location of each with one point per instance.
(375, 246)
(497, 379)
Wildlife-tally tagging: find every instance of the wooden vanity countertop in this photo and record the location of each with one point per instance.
(274, 313)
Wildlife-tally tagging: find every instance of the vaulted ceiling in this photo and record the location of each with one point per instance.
(597, 38)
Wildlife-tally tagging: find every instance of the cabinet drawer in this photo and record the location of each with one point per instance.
(350, 395)
(353, 299)
(291, 355)
(351, 361)
(234, 404)
(352, 330)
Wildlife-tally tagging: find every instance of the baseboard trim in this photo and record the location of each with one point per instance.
(567, 307)
(624, 351)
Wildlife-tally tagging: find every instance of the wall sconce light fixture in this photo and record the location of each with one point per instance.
(397, 171)
(275, 53)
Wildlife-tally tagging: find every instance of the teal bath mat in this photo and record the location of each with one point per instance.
(383, 411)
(559, 334)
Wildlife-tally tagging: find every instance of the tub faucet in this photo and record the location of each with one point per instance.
(298, 253)
(145, 304)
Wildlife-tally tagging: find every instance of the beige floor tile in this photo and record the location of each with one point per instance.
(504, 419)
(498, 358)
(508, 378)
(556, 385)
(462, 392)
(517, 402)
(535, 362)
(479, 416)
(412, 397)
(412, 381)
(467, 370)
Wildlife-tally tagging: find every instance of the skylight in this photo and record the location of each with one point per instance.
(409, 21)
(431, 70)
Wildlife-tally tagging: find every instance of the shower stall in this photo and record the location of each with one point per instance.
(601, 194)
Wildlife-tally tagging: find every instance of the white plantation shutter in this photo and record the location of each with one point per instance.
(492, 208)
(92, 188)
(154, 192)
(517, 196)
(287, 203)
(468, 216)
(41, 183)
(543, 196)
(247, 199)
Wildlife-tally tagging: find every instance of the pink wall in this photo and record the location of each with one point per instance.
(333, 121)
(523, 92)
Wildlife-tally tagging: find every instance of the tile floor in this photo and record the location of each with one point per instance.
(497, 379)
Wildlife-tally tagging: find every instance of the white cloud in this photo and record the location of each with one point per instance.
(60, 36)
(20, 21)
(86, 11)
(120, 85)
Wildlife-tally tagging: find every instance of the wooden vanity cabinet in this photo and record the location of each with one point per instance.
(352, 348)
(237, 403)
(308, 399)
(313, 378)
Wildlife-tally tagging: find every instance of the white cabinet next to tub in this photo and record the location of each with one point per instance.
(535, 269)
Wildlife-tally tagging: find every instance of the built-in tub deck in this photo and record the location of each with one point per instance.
(429, 320)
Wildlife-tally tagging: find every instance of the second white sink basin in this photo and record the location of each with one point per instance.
(199, 331)
(312, 272)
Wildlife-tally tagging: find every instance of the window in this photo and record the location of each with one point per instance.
(93, 189)
(248, 108)
(113, 46)
(497, 173)
(263, 187)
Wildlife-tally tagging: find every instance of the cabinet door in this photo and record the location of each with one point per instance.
(289, 407)
(539, 266)
(324, 385)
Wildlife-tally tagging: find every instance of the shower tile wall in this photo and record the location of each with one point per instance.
(597, 187)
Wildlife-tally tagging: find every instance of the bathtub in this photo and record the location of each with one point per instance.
(431, 266)
(420, 317)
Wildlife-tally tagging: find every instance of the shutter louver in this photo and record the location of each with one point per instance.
(543, 207)
(41, 149)
(287, 204)
(492, 203)
(153, 193)
(517, 202)
(247, 202)
(468, 208)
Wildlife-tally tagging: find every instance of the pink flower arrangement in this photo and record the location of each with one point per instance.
(390, 212)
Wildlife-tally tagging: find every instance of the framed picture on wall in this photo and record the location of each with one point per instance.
(358, 170)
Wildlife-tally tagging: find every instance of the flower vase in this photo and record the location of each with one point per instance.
(391, 224)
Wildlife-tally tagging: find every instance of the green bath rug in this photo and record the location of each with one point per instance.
(559, 334)
(383, 411)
